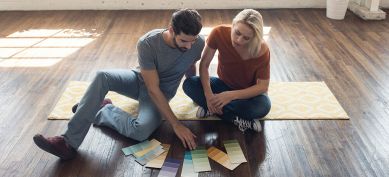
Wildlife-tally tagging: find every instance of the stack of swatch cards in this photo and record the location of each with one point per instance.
(195, 161)
(153, 154)
(232, 159)
(150, 153)
(169, 168)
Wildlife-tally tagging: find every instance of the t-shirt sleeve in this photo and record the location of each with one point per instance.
(201, 47)
(212, 38)
(264, 67)
(146, 55)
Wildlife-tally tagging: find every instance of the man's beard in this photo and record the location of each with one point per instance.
(182, 49)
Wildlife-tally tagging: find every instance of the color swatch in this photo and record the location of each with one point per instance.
(152, 145)
(150, 155)
(169, 168)
(200, 160)
(187, 167)
(234, 151)
(221, 158)
(138, 147)
(158, 162)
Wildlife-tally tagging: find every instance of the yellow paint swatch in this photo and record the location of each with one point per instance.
(200, 160)
(152, 145)
(221, 158)
(234, 151)
(158, 162)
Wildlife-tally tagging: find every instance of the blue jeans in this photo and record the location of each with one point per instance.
(249, 109)
(124, 82)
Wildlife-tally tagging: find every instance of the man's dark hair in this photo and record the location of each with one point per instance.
(187, 21)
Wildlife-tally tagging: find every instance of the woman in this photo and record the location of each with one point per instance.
(239, 94)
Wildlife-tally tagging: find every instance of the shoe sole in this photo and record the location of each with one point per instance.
(44, 145)
(74, 108)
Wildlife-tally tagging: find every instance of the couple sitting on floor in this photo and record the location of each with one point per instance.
(238, 95)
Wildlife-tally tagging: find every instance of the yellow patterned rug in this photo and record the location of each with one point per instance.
(290, 100)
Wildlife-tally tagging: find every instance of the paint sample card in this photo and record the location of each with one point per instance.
(169, 168)
(221, 158)
(234, 151)
(187, 167)
(152, 145)
(200, 160)
(137, 147)
(150, 155)
(158, 162)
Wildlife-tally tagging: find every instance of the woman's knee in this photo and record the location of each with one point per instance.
(263, 108)
(258, 107)
(190, 83)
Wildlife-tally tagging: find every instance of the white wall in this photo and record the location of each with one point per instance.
(161, 4)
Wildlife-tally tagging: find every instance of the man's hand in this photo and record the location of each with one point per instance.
(185, 135)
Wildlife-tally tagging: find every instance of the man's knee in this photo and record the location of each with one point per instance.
(101, 74)
(144, 130)
(141, 137)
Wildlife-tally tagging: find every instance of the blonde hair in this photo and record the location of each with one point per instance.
(253, 19)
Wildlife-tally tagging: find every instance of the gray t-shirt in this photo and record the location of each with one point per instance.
(170, 63)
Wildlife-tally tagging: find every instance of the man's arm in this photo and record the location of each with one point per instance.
(151, 80)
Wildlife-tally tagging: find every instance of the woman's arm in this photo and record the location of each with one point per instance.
(260, 87)
(205, 61)
(224, 98)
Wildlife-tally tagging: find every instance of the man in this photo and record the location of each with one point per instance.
(164, 56)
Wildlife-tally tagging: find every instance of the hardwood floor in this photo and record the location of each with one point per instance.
(351, 56)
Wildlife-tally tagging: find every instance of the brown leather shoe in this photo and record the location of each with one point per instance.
(55, 145)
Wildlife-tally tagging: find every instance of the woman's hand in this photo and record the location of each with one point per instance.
(220, 100)
(210, 104)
